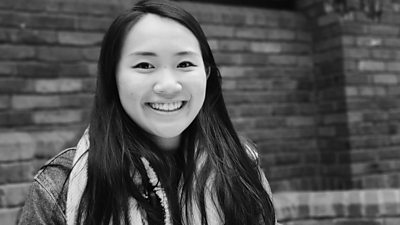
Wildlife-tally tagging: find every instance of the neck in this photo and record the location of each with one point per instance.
(168, 144)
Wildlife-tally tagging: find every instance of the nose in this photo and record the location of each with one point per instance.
(167, 84)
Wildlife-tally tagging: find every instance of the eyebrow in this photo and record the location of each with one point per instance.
(182, 53)
(186, 53)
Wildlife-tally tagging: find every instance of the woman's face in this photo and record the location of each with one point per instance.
(161, 78)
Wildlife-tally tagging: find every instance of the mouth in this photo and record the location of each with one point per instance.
(167, 107)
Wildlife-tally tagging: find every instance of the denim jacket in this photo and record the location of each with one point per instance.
(46, 201)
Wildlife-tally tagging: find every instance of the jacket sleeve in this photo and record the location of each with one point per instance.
(41, 208)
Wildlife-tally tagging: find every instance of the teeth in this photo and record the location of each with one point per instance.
(166, 106)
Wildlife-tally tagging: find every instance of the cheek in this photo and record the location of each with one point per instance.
(197, 87)
(130, 90)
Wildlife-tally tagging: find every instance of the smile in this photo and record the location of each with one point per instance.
(167, 107)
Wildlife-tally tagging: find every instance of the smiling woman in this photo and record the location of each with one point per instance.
(160, 147)
(161, 78)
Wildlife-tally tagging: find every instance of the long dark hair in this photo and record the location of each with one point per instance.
(212, 161)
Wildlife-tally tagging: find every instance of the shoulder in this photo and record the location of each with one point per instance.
(53, 176)
(59, 165)
(46, 200)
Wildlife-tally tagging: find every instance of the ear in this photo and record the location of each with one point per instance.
(208, 71)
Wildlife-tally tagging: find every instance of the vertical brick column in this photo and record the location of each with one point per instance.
(371, 52)
(357, 78)
(330, 99)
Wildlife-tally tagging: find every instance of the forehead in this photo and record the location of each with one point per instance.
(152, 30)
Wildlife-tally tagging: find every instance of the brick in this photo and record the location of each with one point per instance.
(351, 91)
(320, 205)
(241, 59)
(383, 29)
(16, 146)
(15, 118)
(263, 34)
(282, 60)
(334, 119)
(30, 36)
(348, 40)
(91, 54)
(282, 34)
(58, 85)
(57, 22)
(22, 6)
(232, 45)
(300, 121)
(92, 23)
(390, 202)
(356, 53)
(389, 79)
(371, 203)
(5, 102)
(327, 19)
(391, 42)
(257, 19)
(368, 65)
(366, 91)
(33, 69)
(12, 85)
(287, 159)
(212, 31)
(9, 52)
(303, 36)
(101, 8)
(89, 85)
(326, 131)
(79, 38)
(369, 41)
(16, 172)
(8, 216)
(391, 221)
(59, 54)
(393, 66)
(383, 54)
(50, 143)
(297, 48)
(92, 69)
(265, 47)
(76, 100)
(13, 19)
(76, 69)
(304, 61)
(56, 117)
(361, 156)
(388, 154)
(353, 200)
(7, 68)
(13, 194)
(34, 102)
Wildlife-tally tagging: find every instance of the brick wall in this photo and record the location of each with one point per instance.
(357, 74)
(316, 93)
(354, 207)
(48, 60)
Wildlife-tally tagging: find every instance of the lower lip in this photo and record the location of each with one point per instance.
(166, 112)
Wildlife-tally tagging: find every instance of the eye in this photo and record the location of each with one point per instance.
(143, 65)
(185, 64)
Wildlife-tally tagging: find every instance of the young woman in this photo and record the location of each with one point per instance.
(160, 147)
